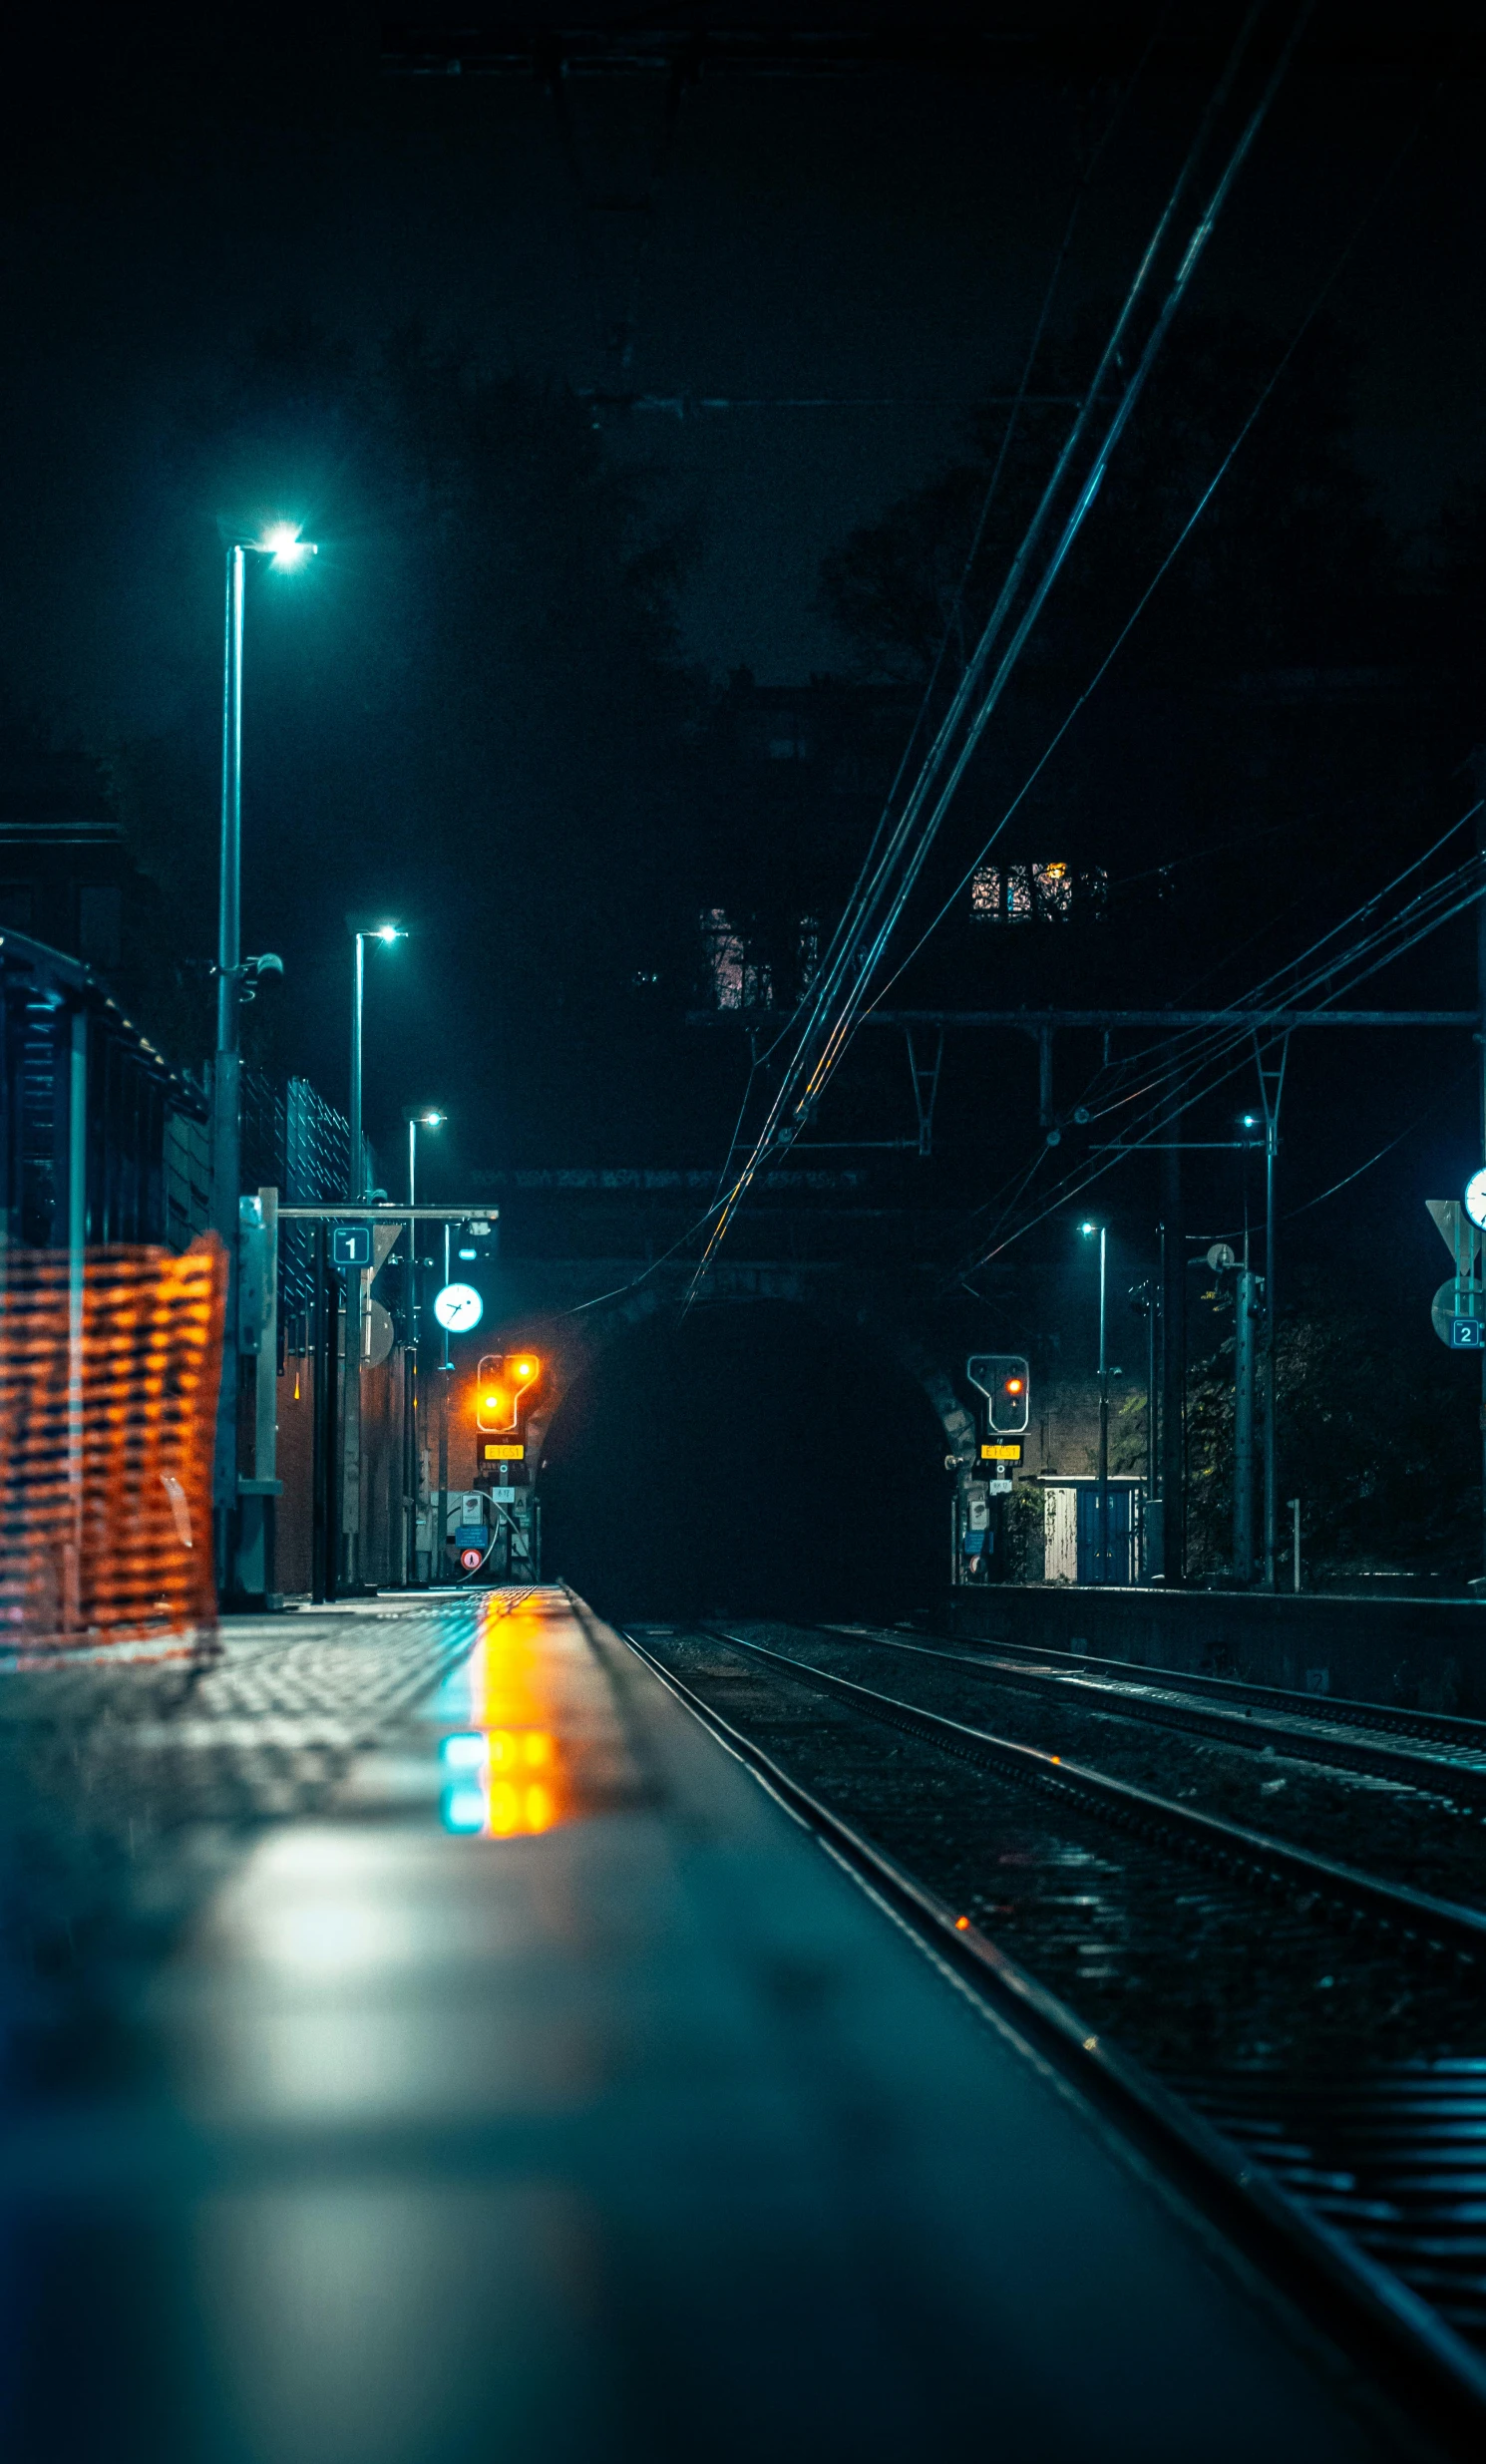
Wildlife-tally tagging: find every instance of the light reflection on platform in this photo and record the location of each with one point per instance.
(504, 1773)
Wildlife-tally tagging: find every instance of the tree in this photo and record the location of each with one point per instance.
(1288, 556)
(1258, 710)
(468, 710)
(1377, 1434)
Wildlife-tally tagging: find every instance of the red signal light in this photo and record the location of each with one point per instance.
(1005, 1380)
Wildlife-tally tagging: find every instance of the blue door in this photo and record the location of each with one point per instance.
(1117, 1567)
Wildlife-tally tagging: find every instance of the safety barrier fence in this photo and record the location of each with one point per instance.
(110, 1362)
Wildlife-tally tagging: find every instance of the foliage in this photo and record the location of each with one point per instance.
(1376, 1436)
(468, 712)
(1288, 548)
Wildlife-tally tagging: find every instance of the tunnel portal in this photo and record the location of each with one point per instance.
(752, 1460)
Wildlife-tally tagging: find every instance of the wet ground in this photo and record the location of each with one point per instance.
(423, 2041)
(1351, 2067)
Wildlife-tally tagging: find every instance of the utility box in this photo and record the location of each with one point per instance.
(1070, 1529)
(468, 1526)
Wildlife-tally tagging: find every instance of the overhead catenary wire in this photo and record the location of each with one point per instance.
(1082, 504)
(1284, 987)
(825, 1022)
(1206, 1070)
(1087, 489)
(887, 838)
(1280, 989)
(1237, 1040)
(847, 949)
(1016, 403)
(1407, 1131)
(1333, 275)
(1358, 1170)
(1172, 1093)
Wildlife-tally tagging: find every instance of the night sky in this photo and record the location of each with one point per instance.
(178, 184)
(177, 180)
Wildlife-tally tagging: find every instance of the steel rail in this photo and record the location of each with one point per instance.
(1315, 2265)
(1419, 1921)
(1302, 1734)
(1447, 1728)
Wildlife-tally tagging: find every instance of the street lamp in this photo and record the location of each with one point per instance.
(284, 548)
(1101, 1500)
(419, 1117)
(281, 541)
(385, 935)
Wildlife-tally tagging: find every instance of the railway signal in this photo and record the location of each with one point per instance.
(1004, 1379)
(504, 1386)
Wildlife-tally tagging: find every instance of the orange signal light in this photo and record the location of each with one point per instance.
(504, 1383)
(1016, 1385)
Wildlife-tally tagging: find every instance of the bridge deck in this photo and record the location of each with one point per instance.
(459, 2055)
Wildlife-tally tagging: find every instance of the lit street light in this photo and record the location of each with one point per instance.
(419, 1117)
(386, 935)
(1101, 1497)
(285, 550)
(283, 543)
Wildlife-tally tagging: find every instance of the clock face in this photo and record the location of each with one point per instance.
(458, 1307)
(1475, 1197)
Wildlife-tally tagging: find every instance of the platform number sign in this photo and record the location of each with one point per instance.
(1458, 1314)
(1003, 1380)
(350, 1245)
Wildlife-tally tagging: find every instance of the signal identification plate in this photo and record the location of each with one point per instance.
(1006, 1450)
(504, 1454)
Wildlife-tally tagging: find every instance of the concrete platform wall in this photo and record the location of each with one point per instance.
(1423, 1655)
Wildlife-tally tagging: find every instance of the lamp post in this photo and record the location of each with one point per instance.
(285, 550)
(419, 1117)
(387, 935)
(1101, 1497)
(357, 1278)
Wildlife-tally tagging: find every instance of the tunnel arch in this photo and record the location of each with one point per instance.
(755, 1458)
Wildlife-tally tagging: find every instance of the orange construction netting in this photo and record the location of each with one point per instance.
(109, 1372)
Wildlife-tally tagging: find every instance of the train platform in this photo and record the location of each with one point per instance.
(427, 2042)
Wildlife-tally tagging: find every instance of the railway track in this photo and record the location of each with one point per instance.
(1306, 2037)
(1337, 1711)
(1422, 1750)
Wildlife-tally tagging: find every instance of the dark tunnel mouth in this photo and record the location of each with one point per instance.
(754, 1459)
